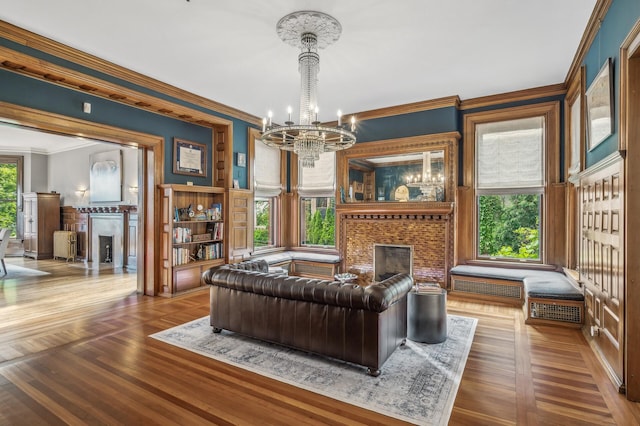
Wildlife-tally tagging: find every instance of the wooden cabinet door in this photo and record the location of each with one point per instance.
(601, 262)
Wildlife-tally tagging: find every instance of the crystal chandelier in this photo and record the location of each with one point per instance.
(431, 185)
(309, 31)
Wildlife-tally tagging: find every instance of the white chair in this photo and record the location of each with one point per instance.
(4, 242)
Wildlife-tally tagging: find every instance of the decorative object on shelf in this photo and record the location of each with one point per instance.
(309, 31)
(236, 184)
(599, 111)
(345, 277)
(189, 158)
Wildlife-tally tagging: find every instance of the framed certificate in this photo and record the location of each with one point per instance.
(189, 158)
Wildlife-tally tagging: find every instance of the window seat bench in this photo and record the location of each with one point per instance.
(304, 263)
(549, 297)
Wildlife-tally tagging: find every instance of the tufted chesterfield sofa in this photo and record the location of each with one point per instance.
(362, 325)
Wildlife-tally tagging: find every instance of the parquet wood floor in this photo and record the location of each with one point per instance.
(74, 350)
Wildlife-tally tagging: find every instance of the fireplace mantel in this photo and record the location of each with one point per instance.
(107, 209)
(392, 208)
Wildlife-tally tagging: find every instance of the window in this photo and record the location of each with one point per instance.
(318, 226)
(317, 202)
(267, 188)
(10, 178)
(509, 188)
(263, 235)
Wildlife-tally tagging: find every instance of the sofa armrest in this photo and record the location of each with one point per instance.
(380, 296)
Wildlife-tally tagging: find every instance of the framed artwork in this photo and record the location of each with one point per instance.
(242, 159)
(189, 158)
(600, 106)
(105, 176)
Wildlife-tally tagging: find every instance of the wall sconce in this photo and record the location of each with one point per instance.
(133, 189)
(80, 192)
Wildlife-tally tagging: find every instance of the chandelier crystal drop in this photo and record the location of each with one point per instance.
(308, 31)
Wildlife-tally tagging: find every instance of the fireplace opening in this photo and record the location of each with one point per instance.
(391, 259)
(105, 248)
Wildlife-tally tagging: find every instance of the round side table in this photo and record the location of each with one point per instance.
(427, 316)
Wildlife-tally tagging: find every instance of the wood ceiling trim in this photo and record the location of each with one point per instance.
(46, 45)
(590, 32)
(519, 95)
(449, 101)
(36, 68)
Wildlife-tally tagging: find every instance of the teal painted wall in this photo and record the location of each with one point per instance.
(620, 18)
(406, 125)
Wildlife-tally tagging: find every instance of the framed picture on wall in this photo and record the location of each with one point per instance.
(600, 106)
(189, 158)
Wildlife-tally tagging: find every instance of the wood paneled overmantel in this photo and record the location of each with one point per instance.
(427, 226)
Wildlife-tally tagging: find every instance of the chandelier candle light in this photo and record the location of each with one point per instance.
(309, 31)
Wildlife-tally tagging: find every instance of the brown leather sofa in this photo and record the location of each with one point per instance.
(362, 325)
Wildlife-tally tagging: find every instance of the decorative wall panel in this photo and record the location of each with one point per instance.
(601, 260)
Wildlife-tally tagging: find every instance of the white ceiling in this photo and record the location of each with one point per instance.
(15, 139)
(390, 52)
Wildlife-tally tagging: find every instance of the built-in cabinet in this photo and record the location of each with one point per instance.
(41, 213)
(601, 261)
(240, 215)
(192, 235)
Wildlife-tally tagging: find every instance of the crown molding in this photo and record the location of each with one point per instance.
(24, 64)
(46, 45)
(593, 26)
(516, 96)
(449, 101)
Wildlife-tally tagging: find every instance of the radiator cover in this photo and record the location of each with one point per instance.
(486, 288)
(556, 312)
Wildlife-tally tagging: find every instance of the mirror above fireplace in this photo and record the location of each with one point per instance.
(414, 169)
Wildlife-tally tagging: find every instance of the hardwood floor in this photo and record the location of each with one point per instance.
(74, 350)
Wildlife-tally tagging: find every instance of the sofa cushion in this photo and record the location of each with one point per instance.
(376, 297)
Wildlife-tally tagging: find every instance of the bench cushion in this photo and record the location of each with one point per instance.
(556, 287)
(537, 284)
(288, 256)
(490, 272)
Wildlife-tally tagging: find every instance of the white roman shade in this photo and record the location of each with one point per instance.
(319, 181)
(510, 154)
(266, 171)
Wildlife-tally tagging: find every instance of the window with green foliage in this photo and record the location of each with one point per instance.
(509, 226)
(263, 228)
(318, 221)
(510, 184)
(316, 187)
(9, 194)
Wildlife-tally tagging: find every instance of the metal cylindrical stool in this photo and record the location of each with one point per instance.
(427, 316)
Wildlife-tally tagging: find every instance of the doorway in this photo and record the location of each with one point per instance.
(150, 172)
(629, 131)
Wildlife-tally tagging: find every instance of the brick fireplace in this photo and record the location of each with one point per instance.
(429, 232)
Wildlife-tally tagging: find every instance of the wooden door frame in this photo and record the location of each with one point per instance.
(153, 171)
(629, 136)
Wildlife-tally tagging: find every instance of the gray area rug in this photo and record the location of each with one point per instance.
(418, 382)
(15, 271)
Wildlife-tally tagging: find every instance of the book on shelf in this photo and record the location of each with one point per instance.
(181, 235)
